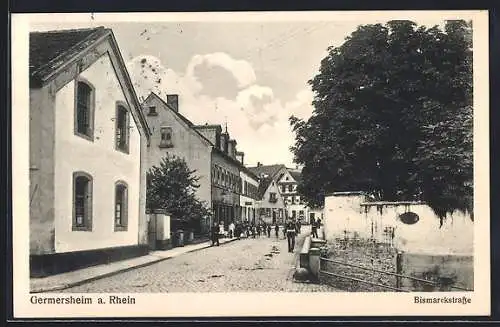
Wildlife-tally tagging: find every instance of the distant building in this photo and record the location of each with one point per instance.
(271, 207)
(286, 181)
(174, 134)
(227, 181)
(296, 207)
(249, 192)
(88, 140)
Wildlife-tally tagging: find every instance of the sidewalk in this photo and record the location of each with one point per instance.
(73, 278)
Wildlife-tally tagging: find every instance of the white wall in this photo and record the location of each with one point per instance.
(425, 237)
(342, 213)
(248, 214)
(99, 159)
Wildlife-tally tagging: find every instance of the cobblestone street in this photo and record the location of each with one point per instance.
(261, 264)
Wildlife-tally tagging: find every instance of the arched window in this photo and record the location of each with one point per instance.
(121, 206)
(122, 130)
(84, 109)
(82, 201)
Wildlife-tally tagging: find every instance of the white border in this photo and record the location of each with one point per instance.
(250, 304)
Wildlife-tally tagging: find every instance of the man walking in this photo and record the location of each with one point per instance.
(268, 230)
(215, 234)
(290, 234)
(314, 229)
(276, 230)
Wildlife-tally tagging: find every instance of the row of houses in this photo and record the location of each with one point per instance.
(92, 142)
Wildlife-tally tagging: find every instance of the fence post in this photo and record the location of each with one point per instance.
(399, 268)
(314, 263)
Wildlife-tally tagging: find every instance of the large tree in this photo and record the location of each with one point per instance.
(171, 186)
(392, 116)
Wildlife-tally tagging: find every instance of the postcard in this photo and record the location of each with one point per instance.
(259, 164)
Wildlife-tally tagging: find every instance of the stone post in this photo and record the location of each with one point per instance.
(314, 263)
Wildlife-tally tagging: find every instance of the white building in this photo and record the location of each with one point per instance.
(249, 194)
(88, 140)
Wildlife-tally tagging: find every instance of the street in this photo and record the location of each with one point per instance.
(261, 264)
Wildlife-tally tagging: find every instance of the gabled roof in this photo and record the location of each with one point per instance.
(296, 175)
(51, 51)
(263, 186)
(270, 170)
(178, 114)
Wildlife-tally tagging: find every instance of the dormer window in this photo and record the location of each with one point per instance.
(166, 137)
(152, 111)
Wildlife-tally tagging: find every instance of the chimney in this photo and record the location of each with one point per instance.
(240, 156)
(224, 137)
(173, 101)
(259, 164)
(231, 148)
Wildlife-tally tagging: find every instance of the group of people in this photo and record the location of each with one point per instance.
(291, 229)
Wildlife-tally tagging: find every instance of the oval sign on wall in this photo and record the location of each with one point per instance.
(409, 218)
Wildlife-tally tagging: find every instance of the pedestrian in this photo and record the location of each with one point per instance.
(258, 230)
(254, 231)
(290, 234)
(284, 231)
(215, 234)
(276, 230)
(237, 231)
(314, 229)
(231, 230)
(268, 230)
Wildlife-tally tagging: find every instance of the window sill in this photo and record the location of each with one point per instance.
(89, 138)
(81, 229)
(121, 228)
(165, 146)
(152, 114)
(125, 151)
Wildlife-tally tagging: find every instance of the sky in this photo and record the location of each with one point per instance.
(249, 73)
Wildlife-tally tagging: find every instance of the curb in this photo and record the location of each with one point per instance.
(116, 272)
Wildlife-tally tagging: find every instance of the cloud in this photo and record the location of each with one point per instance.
(256, 119)
(242, 70)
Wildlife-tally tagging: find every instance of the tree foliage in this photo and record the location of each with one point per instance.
(392, 116)
(171, 186)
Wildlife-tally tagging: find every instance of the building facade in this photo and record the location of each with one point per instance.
(173, 134)
(249, 195)
(295, 206)
(271, 207)
(88, 141)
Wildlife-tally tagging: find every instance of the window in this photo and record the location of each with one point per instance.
(152, 111)
(283, 188)
(84, 107)
(290, 188)
(166, 137)
(272, 197)
(294, 214)
(301, 213)
(121, 201)
(82, 202)
(122, 131)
